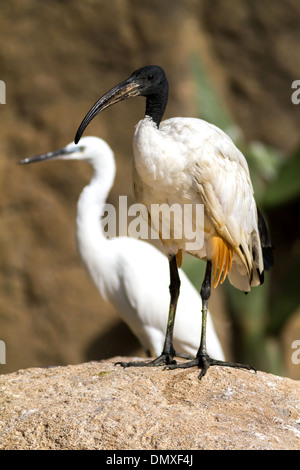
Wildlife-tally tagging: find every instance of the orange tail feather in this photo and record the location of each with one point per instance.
(179, 258)
(221, 259)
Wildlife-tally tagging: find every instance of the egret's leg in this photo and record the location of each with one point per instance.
(203, 360)
(168, 352)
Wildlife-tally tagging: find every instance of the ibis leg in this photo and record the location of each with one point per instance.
(168, 352)
(203, 360)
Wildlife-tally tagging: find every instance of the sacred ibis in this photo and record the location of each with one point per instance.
(190, 161)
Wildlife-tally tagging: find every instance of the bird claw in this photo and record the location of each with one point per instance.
(204, 362)
(165, 359)
(184, 356)
(159, 361)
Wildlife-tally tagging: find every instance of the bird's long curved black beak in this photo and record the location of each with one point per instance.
(126, 89)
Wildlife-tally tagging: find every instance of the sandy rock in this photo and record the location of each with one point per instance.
(98, 405)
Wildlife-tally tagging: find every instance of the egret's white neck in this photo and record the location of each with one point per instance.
(94, 195)
(92, 244)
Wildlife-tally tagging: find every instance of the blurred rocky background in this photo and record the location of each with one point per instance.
(230, 62)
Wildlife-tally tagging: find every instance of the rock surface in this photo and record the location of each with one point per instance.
(97, 405)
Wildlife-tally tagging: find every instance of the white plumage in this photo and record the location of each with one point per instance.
(131, 274)
(202, 166)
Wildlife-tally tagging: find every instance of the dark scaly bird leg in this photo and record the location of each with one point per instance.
(203, 360)
(168, 352)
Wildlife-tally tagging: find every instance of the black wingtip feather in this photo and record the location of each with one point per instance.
(265, 240)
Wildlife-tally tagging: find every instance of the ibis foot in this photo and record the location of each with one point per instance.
(165, 359)
(204, 361)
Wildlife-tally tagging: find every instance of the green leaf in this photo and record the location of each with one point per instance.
(209, 105)
(287, 184)
(194, 268)
(286, 300)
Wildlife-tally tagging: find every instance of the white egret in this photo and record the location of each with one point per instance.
(188, 160)
(131, 274)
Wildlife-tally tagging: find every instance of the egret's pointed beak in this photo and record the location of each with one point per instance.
(126, 89)
(57, 154)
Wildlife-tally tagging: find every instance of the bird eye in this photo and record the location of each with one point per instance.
(150, 77)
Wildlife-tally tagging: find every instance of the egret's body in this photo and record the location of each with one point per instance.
(189, 161)
(131, 274)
